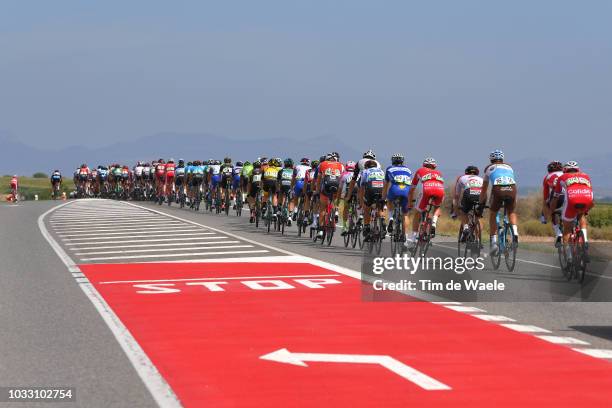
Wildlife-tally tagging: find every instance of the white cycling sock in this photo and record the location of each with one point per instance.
(493, 239)
(515, 229)
(465, 227)
(584, 233)
(557, 230)
(434, 220)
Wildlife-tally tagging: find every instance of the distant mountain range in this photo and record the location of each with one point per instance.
(19, 158)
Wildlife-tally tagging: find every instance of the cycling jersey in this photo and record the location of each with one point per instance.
(300, 172)
(56, 177)
(83, 173)
(285, 176)
(548, 184)
(197, 175)
(146, 172)
(179, 175)
(160, 169)
(468, 188)
(102, 173)
(399, 179)
(578, 193)
(125, 174)
(373, 181)
(330, 173)
(431, 187)
(503, 186)
(227, 174)
(138, 171)
(360, 167)
(14, 183)
(270, 176)
(345, 181)
(255, 180)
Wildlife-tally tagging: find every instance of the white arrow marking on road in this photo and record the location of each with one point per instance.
(422, 380)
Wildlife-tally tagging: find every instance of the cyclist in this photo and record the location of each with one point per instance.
(245, 174)
(126, 178)
(398, 179)
(299, 175)
(197, 180)
(84, 175)
(431, 187)
(56, 182)
(327, 184)
(160, 177)
(466, 195)
(214, 178)
(14, 183)
(500, 177)
(555, 170)
(269, 183)
(227, 178)
(253, 185)
(285, 180)
(308, 186)
(367, 156)
(371, 185)
(179, 179)
(576, 186)
(236, 182)
(345, 181)
(103, 178)
(139, 175)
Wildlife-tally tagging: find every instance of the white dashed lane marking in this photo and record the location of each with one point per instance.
(101, 231)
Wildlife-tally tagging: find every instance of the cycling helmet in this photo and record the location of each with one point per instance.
(239, 164)
(336, 155)
(321, 159)
(189, 163)
(263, 161)
(288, 162)
(496, 155)
(369, 155)
(315, 164)
(247, 163)
(305, 161)
(330, 157)
(397, 158)
(554, 166)
(350, 165)
(570, 166)
(170, 160)
(430, 162)
(370, 164)
(227, 160)
(82, 166)
(256, 164)
(472, 170)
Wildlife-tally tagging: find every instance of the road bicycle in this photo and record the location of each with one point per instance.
(329, 222)
(470, 242)
(269, 217)
(398, 234)
(576, 267)
(239, 203)
(354, 227)
(424, 234)
(226, 198)
(258, 207)
(300, 219)
(284, 212)
(377, 228)
(506, 242)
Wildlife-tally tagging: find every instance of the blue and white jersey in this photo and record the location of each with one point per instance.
(179, 172)
(372, 178)
(103, 173)
(189, 169)
(197, 171)
(500, 174)
(400, 177)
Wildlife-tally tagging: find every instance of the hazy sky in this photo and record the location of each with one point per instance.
(528, 76)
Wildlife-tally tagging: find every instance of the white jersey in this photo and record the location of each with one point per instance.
(138, 171)
(468, 181)
(361, 167)
(300, 171)
(214, 169)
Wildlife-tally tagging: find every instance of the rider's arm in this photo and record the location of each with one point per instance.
(483, 192)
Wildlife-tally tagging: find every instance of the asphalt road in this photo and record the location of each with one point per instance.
(53, 335)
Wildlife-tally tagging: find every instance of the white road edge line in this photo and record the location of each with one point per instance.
(146, 370)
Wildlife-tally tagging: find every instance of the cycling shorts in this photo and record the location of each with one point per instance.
(215, 180)
(402, 194)
(372, 195)
(469, 199)
(236, 183)
(254, 190)
(576, 204)
(503, 194)
(434, 192)
(298, 188)
(269, 186)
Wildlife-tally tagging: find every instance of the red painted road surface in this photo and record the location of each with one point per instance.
(206, 339)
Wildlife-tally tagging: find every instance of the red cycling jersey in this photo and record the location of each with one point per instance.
(548, 184)
(170, 171)
(578, 194)
(432, 187)
(14, 183)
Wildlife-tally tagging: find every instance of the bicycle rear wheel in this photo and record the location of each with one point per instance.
(511, 248)
(496, 259)
(379, 238)
(581, 255)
